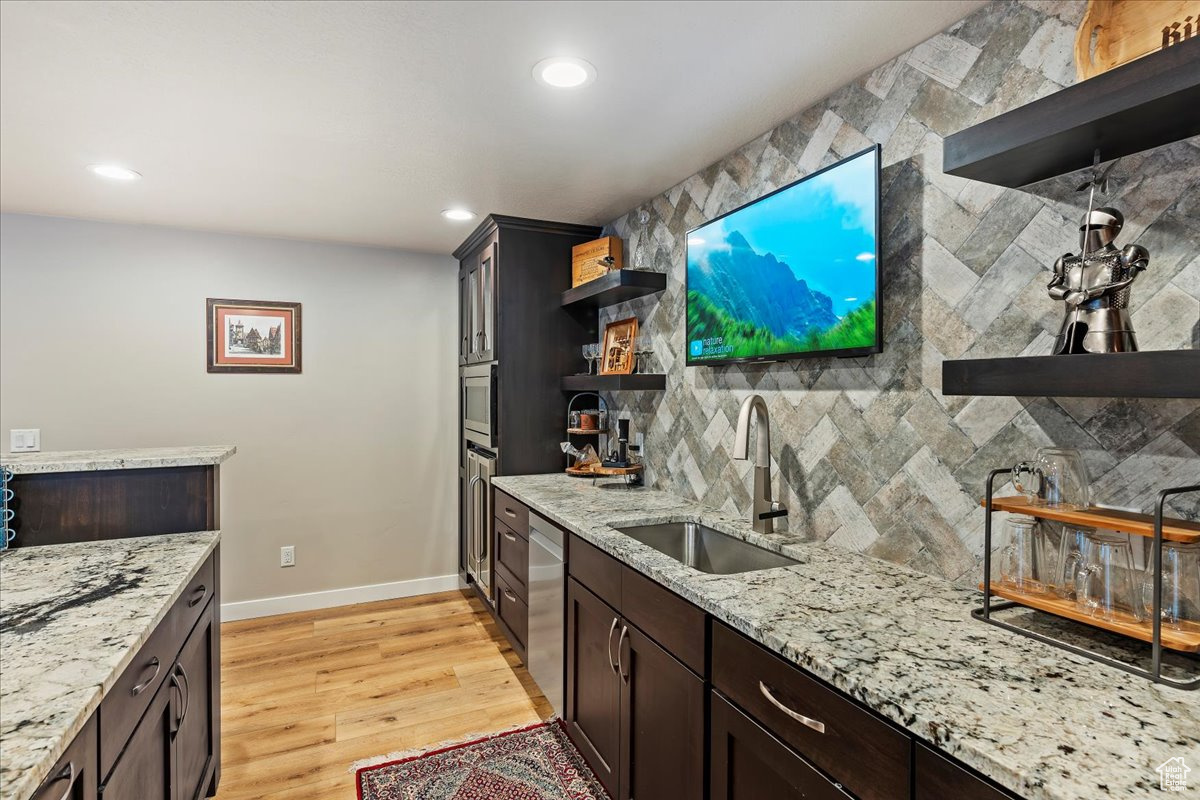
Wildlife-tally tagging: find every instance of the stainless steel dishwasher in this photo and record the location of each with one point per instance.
(547, 603)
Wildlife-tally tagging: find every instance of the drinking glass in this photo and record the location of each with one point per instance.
(1180, 586)
(1023, 557)
(1107, 586)
(1071, 549)
(1056, 478)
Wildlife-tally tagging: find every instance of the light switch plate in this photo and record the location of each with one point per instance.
(25, 440)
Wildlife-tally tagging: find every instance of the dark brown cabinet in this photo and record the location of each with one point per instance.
(938, 777)
(171, 754)
(662, 722)
(74, 776)
(635, 712)
(748, 763)
(593, 702)
(478, 280)
(194, 678)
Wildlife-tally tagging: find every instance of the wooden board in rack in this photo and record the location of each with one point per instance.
(1185, 641)
(1174, 530)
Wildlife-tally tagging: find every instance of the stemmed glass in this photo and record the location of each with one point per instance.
(591, 352)
(642, 346)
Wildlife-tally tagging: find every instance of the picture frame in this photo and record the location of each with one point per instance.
(255, 336)
(617, 356)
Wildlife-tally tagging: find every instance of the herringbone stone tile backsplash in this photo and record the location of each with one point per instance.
(868, 454)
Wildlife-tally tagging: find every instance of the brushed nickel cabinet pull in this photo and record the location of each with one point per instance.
(621, 667)
(185, 690)
(512, 537)
(201, 590)
(67, 774)
(510, 512)
(141, 687)
(611, 628)
(809, 722)
(512, 598)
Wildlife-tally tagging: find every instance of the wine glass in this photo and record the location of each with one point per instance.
(587, 356)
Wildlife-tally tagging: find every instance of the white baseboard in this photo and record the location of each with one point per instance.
(311, 601)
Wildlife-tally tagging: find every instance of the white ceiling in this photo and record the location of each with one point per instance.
(360, 122)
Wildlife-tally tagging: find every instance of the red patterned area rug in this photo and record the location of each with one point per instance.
(534, 763)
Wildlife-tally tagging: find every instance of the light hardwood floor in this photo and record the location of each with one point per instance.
(305, 695)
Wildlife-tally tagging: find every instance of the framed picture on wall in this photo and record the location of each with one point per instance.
(253, 336)
(617, 357)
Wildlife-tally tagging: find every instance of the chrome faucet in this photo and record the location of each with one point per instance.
(765, 510)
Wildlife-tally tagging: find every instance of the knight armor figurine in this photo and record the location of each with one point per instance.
(1095, 287)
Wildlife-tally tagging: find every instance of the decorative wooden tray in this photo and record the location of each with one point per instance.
(1174, 530)
(1185, 641)
(597, 471)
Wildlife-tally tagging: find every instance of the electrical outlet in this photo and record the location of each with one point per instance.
(25, 440)
(287, 556)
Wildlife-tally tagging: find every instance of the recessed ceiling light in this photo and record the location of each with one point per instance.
(115, 172)
(458, 214)
(564, 72)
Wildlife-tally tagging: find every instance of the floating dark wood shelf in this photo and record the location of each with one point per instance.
(1143, 104)
(1158, 373)
(614, 383)
(615, 287)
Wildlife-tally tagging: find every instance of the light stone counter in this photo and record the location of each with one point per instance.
(1042, 722)
(72, 617)
(133, 458)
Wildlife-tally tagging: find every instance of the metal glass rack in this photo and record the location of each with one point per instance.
(986, 613)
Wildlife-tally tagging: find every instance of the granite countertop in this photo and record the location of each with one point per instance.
(1036, 719)
(72, 617)
(132, 458)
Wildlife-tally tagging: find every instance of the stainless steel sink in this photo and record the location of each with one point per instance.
(705, 549)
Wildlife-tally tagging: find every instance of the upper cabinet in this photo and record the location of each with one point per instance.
(477, 299)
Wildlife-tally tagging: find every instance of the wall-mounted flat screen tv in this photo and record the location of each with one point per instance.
(794, 274)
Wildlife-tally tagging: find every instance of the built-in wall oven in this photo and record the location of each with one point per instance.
(479, 404)
(481, 468)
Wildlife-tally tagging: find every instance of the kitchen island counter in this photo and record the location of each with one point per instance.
(72, 618)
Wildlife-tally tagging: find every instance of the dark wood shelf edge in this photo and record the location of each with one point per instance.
(615, 287)
(1144, 104)
(1157, 373)
(614, 383)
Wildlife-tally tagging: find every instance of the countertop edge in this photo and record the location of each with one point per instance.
(34, 776)
(51, 462)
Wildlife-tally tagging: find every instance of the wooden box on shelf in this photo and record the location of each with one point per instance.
(595, 259)
(1174, 530)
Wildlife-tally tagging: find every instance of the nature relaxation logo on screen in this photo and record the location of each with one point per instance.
(791, 273)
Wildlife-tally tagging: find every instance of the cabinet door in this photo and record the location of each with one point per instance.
(145, 770)
(464, 318)
(473, 310)
(662, 722)
(486, 349)
(939, 777)
(593, 688)
(74, 776)
(748, 763)
(192, 678)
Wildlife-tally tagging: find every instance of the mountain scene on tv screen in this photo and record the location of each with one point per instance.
(794, 273)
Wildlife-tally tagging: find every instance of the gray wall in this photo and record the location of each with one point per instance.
(868, 453)
(102, 344)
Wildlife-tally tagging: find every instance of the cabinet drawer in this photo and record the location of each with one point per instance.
(125, 703)
(938, 777)
(74, 776)
(595, 569)
(862, 752)
(666, 617)
(512, 513)
(513, 612)
(512, 553)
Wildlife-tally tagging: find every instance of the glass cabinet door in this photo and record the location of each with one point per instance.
(486, 349)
